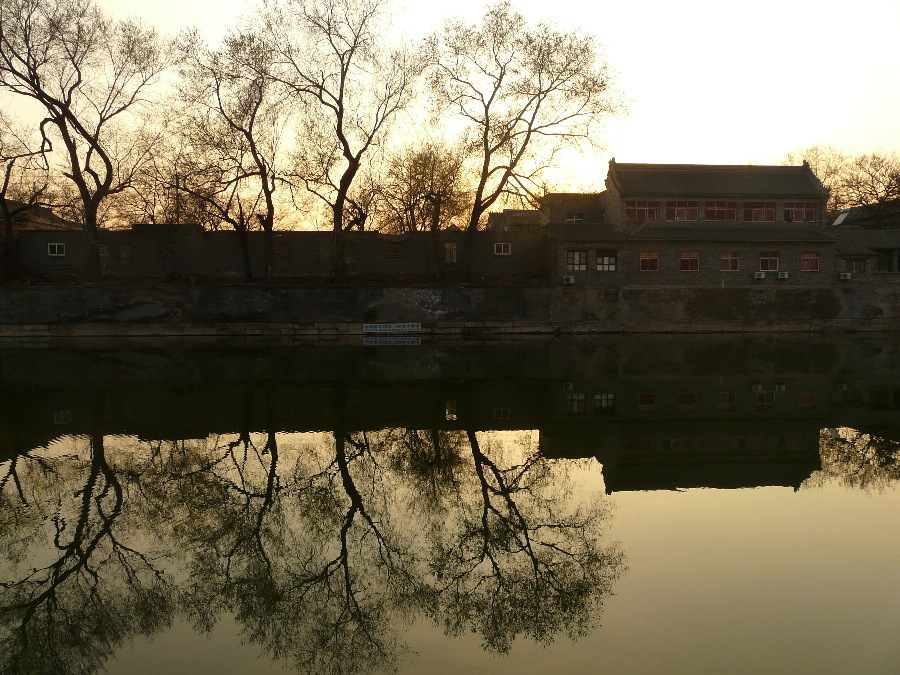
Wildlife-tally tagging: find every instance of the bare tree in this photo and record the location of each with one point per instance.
(330, 57)
(237, 122)
(873, 179)
(424, 188)
(522, 90)
(90, 75)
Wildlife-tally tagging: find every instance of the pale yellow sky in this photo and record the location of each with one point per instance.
(707, 81)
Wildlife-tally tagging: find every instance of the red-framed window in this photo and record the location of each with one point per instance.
(730, 261)
(649, 261)
(607, 260)
(576, 261)
(759, 212)
(641, 210)
(809, 261)
(720, 212)
(646, 402)
(690, 261)
(687, 401)
(768, 261)
(800, 212)
(683, 211)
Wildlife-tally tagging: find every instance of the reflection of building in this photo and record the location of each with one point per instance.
(657, 413)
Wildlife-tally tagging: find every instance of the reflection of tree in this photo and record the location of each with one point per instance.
(515, 563)
(320, 550)
(857, 460)
(95, 590)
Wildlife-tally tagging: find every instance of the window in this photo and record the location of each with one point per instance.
(727, 400)
(56, 250)
(62, 417)
(730, 261)
(395, 249)
(637, 210)
(765, 400)
(799, 212)
(450, 410)
(124, 254)
(768, 261)
(690, 261)
(687, 401)
(759, 212)
(721, 212)
(576, 261)
(502, 248)
(574, 218)
(854, 265)
(809, 261)
(606, 261)
(450, 253)
(605, 403)
(501, 413)
(646, 402)
(649, 261)
(282, 249)
(886, 261)
(574, 404)
(683, 211)
(806, 400)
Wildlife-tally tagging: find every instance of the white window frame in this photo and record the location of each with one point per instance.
(56, 249)
(502, 248)
(450, 253)
(576, 260)
(607, 260)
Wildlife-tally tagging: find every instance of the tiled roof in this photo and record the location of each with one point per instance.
(862, 240)
(706, 179)
(584, 232)
(752, 232)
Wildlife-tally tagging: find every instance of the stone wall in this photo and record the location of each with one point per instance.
(123, 309)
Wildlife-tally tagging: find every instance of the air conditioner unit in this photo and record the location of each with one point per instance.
(568, 279)
(783, 275)
(846, 276)
(842, 387)
(760, 275)
(568, 386)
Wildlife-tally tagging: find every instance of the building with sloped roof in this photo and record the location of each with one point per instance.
(690, 224)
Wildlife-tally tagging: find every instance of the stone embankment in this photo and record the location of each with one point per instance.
(465, 312)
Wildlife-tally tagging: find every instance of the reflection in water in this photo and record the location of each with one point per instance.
(322, 547)
(416, 489)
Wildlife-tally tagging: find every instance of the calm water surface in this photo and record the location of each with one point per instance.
(631, 504)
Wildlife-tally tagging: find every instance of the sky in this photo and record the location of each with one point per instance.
(705, 81)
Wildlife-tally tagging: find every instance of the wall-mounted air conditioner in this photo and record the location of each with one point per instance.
(846, 276)
(783, 275)
(760, 275)
(568, 279)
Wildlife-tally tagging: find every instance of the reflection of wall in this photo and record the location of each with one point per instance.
(669, 393)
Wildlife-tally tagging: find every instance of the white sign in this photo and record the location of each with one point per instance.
(392, 328)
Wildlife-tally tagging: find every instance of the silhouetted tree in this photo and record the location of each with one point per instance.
(522, 91)
(347, 84)
(89, 74)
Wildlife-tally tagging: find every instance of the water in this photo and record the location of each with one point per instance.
(631, 504)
